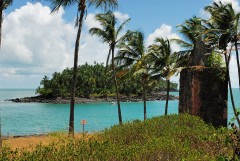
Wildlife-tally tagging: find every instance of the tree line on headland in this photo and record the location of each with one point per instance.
(95, 81)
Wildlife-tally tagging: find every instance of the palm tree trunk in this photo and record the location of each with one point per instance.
(230, 89)
(116, 86)
(167, 98)
(233, 103)
(144, 98)
(238, 65)
(82, 7)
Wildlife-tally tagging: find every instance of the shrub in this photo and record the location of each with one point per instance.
(172, 137)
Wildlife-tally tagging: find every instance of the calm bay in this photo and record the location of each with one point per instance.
(40, 118)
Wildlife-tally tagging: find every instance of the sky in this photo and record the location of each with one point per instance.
(36, 42)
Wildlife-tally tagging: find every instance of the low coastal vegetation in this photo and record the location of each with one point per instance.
(171, 137)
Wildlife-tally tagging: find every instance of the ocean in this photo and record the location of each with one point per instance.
(40, 118)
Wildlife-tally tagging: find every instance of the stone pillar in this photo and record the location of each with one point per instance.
(204, 92)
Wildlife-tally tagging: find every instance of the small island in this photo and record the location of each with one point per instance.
(95, 85)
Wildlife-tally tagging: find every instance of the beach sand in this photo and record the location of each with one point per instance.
(29, 142)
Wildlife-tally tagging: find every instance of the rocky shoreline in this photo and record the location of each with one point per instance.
(59, 100)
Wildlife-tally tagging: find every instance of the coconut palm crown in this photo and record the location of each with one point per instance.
(164, 62)
(224, 23)
(132, 57)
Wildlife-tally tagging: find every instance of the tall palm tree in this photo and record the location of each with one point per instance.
(82, 7)
(110, 34)
(223, 26)
(3, 5)
(132, 56)
(191, 30)
(164, 62)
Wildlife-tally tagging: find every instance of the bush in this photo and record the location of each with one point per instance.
(172, 137)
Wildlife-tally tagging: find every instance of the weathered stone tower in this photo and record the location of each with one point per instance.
(203, 90)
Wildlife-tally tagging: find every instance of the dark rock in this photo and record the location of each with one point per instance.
(78, 100)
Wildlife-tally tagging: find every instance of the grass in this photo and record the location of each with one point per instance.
(172, 137)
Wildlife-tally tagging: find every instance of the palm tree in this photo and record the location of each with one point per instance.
(79, 21)
(109, 34)
(191, 30)
(225, 26)
(223, 29)
(132, 58)
(164, 62)
(3, 5)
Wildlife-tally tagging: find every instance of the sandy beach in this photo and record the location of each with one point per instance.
(29, 142)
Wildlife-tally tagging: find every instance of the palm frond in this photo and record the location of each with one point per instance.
(104, 4)
(101, 34)
(7, 3)
(122, 26)
(182, 43)
(62, 3)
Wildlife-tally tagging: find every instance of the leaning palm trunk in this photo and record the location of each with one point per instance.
(233, 103)
(82, 7)
(144, 98)
(167, 98)
(230, 89)
(238, 65)
(116, 86)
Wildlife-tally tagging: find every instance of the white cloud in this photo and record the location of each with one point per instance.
(92, 50)
(35, 41)
(121, 17)
(91, 22)
(235, 4)
(165, 31)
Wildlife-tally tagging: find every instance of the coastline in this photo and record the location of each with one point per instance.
(81, 100)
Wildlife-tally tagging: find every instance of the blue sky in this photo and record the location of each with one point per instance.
(146, 16)
(37, 43)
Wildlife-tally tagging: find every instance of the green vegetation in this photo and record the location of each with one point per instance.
(215, 60)
(93, 81)
(171, 137)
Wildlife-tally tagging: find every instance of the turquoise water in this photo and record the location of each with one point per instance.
(38, 118)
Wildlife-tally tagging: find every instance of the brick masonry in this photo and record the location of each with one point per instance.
(204, 92)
